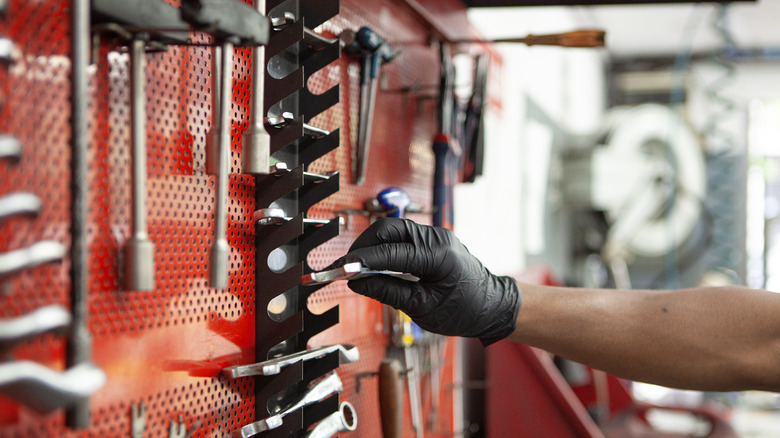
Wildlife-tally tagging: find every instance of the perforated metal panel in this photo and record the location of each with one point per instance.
(166, 348)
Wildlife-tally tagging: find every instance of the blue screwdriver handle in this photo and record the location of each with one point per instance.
(446, 151)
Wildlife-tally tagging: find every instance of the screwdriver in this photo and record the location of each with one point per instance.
(446, 148)
(577, 38)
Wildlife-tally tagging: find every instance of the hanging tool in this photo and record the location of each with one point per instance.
(350, 271)
(46, 319)
(577, 38)
(343, 420)
(212, 136)
(373, 52)
(256, 152)
(46, 251)
(218, 256)
(139, 250)
(395, 200)
(445, 147)
(347, 354)
(14, 204)
(474, 132)
(321, 390)
(391, 398)
(231, 22)
(410, 334)
(10, 148)
(79, 340)
(44, 389)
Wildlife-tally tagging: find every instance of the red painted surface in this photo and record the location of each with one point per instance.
(527, 396)
(166, 347)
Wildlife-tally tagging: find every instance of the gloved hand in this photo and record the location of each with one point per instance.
(456, 295)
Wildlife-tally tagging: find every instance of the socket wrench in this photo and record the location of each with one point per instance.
(256, 151)
(139, 250)
(220, 250)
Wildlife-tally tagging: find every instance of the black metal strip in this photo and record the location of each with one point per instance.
(311, 149)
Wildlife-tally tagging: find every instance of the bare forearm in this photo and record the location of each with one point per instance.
(708, 338)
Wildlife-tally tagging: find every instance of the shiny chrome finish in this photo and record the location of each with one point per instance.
(15, 204)
(44, 389)
(321, 390)
(139, 250)
(348, 353)
(344, 420)
(47, 251)
(42, 320)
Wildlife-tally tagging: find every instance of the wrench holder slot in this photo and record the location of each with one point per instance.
(290, 63)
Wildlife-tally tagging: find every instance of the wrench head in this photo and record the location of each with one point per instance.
(261, 426)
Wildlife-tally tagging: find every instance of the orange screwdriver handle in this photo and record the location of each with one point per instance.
(577, 38)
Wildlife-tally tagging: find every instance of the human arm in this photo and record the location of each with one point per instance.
(716, 339)
(709, 338)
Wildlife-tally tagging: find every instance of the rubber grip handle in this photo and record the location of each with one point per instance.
(445, 150)
(391, 398)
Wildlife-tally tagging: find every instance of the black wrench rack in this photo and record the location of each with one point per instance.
(282, 249)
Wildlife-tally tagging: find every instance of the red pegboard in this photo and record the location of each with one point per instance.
(166, 348)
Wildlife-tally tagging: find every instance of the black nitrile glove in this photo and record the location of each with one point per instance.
(456, 295)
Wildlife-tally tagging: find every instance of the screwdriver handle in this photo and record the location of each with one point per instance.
(447, 154)
(391, 398)
(577, 38)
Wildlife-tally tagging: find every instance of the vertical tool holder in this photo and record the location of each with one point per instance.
(284, 324)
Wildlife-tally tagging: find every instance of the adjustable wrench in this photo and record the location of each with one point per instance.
(139, 250)
(218, 257)
(320, 391)
(256, 153)
(345, 419)
(19, 203)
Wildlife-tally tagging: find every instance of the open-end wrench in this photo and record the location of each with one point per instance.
(38, 253)
(347, 354)
(345, 419)
(10, 147)
(349, 271)
(256, 152)
(15, 204)
(46, 319)
(321, 390)
(218, 257)
(139, 250)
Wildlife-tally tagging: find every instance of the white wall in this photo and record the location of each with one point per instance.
(492, 215)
